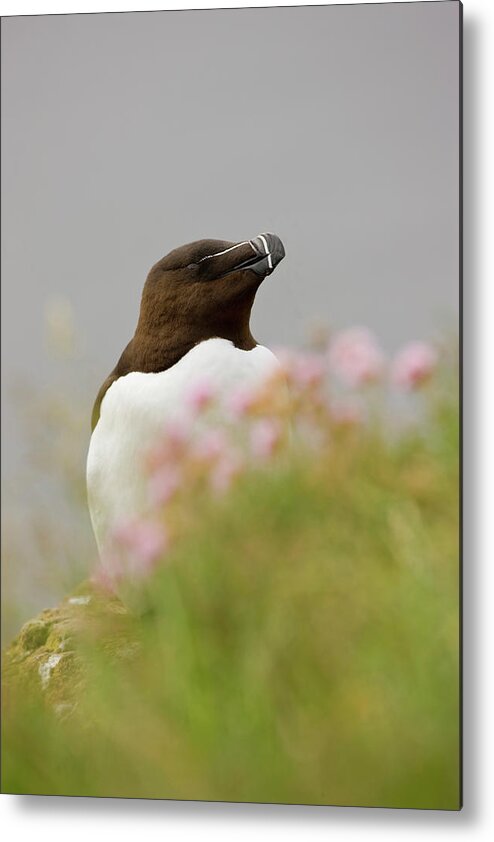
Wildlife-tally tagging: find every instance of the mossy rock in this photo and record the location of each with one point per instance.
(47, 660)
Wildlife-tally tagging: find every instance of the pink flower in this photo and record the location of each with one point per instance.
(142, 543)
(242, 402)
(225, 472)
(201, 396)
(211, 445)
(355, 357)
(265, 437)
(164, 484)
(171, 447)
(308, 370)
(413, 365)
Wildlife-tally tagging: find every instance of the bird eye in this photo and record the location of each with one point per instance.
(192, 266)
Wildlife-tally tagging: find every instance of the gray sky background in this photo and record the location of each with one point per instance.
(126, 135)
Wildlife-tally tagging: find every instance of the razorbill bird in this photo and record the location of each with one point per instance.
(193, 325)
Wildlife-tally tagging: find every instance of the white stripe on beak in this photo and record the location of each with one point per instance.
(265, 244)
(217, 254)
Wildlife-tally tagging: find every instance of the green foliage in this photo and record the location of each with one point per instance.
(300, 645)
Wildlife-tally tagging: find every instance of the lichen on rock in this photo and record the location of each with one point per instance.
(46, 659)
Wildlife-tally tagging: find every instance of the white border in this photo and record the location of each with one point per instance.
(78, 819)
(28, 7)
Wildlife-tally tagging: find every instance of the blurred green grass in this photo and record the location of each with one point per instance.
(301, 645)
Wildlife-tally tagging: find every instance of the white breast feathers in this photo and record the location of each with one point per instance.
(135, 412)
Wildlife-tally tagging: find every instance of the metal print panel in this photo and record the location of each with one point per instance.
(231, 281)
